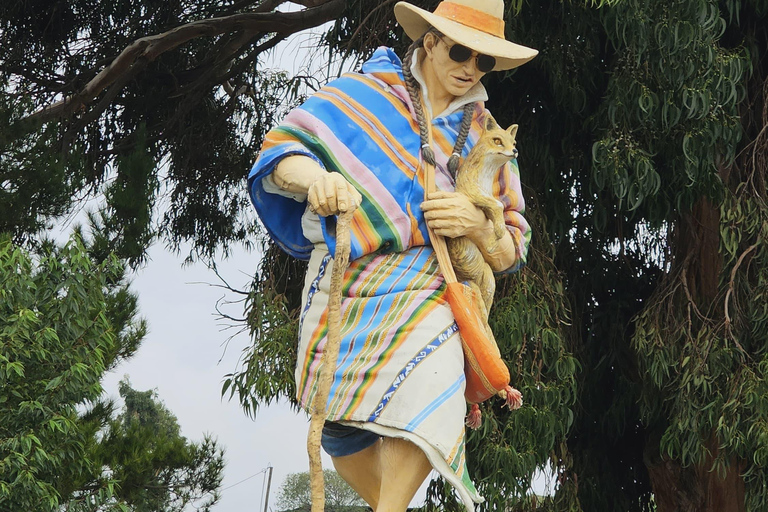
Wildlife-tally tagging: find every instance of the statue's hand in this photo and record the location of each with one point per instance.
(451, 214)
(330, 194)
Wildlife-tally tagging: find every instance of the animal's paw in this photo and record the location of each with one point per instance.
(499, 230)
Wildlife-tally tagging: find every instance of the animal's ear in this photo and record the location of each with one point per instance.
(490, 123)
(512, 130)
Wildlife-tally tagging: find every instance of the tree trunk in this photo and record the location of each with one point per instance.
(697, 488)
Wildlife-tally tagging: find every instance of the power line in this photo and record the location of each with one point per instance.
(245, 479)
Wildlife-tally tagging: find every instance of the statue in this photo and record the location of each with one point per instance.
(357, 148)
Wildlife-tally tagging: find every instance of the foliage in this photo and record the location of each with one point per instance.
(165, 131)
(154, 467)
(65, 319)
(295, 493)
(57, 340)
(266, 369)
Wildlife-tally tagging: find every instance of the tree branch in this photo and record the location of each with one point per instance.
(730, 288)
(149, 48)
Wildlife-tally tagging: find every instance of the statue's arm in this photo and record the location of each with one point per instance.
(499, 254)
(296, 173)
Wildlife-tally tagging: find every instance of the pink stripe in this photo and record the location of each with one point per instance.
(367, 181)
(382, 345)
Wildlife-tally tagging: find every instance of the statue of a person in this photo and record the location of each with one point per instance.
(396, 409)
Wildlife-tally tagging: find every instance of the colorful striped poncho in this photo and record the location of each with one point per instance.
(400, 370)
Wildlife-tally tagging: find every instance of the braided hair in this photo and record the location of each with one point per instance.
(414, 87)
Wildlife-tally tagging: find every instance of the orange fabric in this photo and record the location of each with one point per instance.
(471, 18)
(484, 369)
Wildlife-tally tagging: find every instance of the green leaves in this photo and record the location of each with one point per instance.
(672, 102)
(295, 494)
(152, 467)
(52, 341)
(65, 319)
(56, 341)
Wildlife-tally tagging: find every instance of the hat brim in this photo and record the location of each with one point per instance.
(416, 21)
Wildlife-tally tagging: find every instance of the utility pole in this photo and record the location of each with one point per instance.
(269, 483)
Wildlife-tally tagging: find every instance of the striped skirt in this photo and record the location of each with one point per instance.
(400, 371)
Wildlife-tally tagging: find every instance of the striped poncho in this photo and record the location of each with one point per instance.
(400, 369)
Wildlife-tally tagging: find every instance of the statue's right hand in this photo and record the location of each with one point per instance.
(330, 194)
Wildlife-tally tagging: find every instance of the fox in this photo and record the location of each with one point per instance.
(474, 178)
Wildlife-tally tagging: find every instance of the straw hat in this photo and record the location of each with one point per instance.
(477, 24)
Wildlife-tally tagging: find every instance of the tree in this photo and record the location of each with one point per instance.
(64, 321)
(637, 333)
(58, 336)
(161, 99)
(156, 469)
(295, 493)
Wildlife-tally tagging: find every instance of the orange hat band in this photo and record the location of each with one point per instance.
(471, 17)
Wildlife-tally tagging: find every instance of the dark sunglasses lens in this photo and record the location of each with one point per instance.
(459, 53)
(485, 63)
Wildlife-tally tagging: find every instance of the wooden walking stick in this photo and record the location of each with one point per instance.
(328, 360)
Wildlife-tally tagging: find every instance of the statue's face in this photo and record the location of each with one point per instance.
(456, 78)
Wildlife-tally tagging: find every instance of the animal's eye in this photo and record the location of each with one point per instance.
(497, 141)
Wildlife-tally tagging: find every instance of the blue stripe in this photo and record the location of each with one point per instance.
(426, 351)
(371, 323)
(384, 60)
(376, 313)
(440, 400)
(374, 107)
(313, 288)
(358, 141)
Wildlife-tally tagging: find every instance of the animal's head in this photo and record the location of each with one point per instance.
(498, 142)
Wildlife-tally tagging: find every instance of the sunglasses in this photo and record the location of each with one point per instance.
(460, 53)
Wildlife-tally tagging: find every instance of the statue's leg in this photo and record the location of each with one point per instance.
(403, 469)
(362, 471)
(387, 474)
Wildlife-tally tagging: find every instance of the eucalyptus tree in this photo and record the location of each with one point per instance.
(139, 102)
(638, 331)
(58, 335)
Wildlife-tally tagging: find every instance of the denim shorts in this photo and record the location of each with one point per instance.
(340, 440)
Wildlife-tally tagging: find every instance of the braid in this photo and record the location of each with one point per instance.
(466, 124)
(413, 90)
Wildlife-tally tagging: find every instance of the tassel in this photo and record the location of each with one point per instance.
(512, 397)
(474, 418)
(453, 164)
(428, 154)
